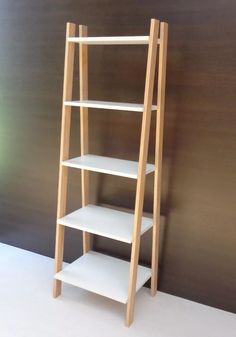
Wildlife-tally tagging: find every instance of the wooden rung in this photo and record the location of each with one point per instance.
(111, 40)
(109, 105)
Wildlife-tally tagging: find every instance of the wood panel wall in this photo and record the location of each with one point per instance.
(198, 197)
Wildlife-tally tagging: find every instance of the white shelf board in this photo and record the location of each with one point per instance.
(111, 40)
(108, 105)
(104, 221)
(103, 275)
(109, 165)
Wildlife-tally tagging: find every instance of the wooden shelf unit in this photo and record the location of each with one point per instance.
(99, 273)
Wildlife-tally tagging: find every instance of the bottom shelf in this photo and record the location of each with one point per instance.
(103, 275)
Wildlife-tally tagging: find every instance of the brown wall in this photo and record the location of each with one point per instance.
(199, 239)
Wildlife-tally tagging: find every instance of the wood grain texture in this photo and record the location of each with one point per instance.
(161, 88)
(64, 153)
(84, 132)
(143, 154)
(199, 158)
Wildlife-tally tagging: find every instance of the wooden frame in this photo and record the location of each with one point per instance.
(83, 68)
(153, 40)
(146, 120)
(64, 153)
(158, 153)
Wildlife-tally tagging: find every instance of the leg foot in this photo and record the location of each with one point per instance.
(153, 289)
(56, 288)
(153, 292)
(129, 313)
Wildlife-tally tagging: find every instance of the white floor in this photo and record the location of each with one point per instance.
(27, 308)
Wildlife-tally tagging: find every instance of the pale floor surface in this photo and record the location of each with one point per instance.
(27, 308)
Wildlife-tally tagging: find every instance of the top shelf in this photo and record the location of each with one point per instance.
(111, 40)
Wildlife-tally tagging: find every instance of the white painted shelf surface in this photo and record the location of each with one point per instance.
(104, 221)
(111, 40)
(108, 105)
(103, 275)
(109, 165)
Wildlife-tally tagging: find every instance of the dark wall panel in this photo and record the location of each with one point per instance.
(198, 198)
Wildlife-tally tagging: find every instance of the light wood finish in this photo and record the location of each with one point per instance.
(64, 153)
(148, 96)
(158, 153)
(83, 68)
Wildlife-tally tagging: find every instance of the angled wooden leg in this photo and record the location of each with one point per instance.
(155, 248)
(146, 120)
(158, 153)
(83, 67)
(85, 201)
(60, 231)
(64, 153)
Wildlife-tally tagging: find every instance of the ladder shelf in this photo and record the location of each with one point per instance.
(102, 274)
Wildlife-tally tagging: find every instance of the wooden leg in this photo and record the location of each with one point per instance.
(60, 229)
(143, 153)
(64, 153)
(85, 201)
(84, 138)
(155, 251)
(60, 233)
(86, 242)
(156, 226)
(158, 153)
(133, 278)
